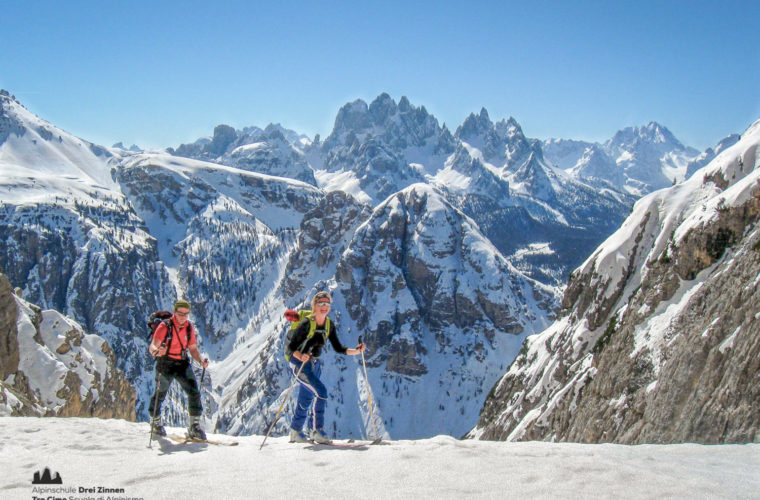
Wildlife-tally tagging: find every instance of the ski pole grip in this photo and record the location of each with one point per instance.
(360, 339)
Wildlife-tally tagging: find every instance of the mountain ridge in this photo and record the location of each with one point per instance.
(242, 244)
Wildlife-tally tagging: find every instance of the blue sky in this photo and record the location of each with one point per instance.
(161, 73)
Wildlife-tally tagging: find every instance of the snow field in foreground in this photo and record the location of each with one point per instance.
(114, 454)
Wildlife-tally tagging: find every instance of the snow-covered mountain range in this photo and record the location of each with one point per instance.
(444, 251)
(658, 341)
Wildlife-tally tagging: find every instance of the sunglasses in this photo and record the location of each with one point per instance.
(323, 303)
(178, 313)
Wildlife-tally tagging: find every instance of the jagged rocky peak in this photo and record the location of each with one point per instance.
(480, 125)
(133, 148)
(463, 162)
(383, 108)
(224, 135)
(475, 126)
(353, 116)
(274, 150)
(417, 231)
(274, 133)
(509, 129)
(399, 125)
(533, 169)
(502, 144)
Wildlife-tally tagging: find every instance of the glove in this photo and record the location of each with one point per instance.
(291, 315)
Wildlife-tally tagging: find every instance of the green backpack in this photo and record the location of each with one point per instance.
(295, 317)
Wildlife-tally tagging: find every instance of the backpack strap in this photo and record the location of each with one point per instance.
(313, 326)
(170, 334)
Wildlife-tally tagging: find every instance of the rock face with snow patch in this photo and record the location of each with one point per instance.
(51, 367)
(659, 339)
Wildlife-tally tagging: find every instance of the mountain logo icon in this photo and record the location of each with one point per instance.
(47, 477)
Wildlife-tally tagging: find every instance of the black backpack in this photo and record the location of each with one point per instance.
(165, 317)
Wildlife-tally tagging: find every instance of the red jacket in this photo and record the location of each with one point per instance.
(179, 338)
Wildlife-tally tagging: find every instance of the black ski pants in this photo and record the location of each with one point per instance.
(168, 369)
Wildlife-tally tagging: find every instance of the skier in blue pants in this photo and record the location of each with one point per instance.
(306, 345)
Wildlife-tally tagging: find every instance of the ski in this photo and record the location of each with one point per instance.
(355, 446)
(351, 443)
(186, 440)
(372, 443)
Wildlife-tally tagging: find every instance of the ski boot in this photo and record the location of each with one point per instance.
(156, 427)
(298, 436)
(319, 436)
(194, 430)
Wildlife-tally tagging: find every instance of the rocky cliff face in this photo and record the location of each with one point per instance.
(659, 339)
(51, 367)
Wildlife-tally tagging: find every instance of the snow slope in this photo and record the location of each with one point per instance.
(41, 163)
(92, 453)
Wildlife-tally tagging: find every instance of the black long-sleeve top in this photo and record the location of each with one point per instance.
(315, 344)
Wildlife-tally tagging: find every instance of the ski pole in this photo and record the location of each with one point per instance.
(287, 395)
(369, 393)
(203, 373)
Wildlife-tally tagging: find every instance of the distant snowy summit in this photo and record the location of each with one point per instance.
(133, 148)
(638, 160)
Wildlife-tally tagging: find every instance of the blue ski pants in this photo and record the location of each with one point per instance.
(311, 390)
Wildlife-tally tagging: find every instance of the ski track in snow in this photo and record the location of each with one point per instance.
(114, 454)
